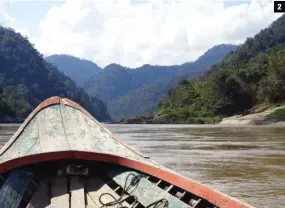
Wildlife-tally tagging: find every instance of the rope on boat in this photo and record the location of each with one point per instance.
(134, 183)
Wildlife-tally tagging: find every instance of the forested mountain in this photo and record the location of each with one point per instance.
(254, 74)
(157, 81)
(140, 102)
(79, 70)
(26, 79)
(131, 92)
(208, 59)
(115, 80)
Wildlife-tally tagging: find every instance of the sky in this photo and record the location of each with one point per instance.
(135, 32)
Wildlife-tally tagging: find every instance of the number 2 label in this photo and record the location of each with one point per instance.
(279, 6)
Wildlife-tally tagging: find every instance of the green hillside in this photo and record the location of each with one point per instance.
(131, 92)
(115, 80)
(26, 79)
(254, 74)
(141, 101)
(137, 92)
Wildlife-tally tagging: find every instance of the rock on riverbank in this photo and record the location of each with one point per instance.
(262, 115)
(269, 116)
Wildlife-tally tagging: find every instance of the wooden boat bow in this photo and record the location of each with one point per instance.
(60, 129)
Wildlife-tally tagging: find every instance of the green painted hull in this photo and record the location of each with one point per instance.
(74, 161)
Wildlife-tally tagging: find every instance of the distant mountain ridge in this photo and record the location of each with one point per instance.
(79, 70)
(115, 80)
(144, 100)
(131, 92)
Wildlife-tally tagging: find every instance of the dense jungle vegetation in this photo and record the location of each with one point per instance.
(252, 75)
(26, 79)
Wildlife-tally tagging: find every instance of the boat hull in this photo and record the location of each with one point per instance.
(80, 137)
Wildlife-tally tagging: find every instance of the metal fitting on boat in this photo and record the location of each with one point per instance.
(77, 170)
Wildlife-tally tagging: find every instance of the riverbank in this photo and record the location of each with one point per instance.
(268, 116)
(261, 115)
(169, 119)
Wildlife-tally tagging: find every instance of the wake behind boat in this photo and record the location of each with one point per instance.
(62, 157)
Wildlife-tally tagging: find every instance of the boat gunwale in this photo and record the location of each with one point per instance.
(57, 101)
(41, 106)
(205, 192)
(213, 196)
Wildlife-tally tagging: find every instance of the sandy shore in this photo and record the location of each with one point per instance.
(261, 118)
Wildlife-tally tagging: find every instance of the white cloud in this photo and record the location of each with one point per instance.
(7, 20)
(159, 32)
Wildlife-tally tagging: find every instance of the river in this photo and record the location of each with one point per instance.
(246, 162)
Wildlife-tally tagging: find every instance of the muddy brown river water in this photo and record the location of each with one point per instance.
(246, 162)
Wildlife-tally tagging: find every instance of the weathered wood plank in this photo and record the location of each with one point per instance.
(90, 202)
(36, 148)
(59, 193)
(158, 183)
(105, 142)
(41, 197)
(51, 130)
(77, 192)
(197, 202)
(96, 187)
(77, 130)
(181, 195)
(146, 191)
(13, 189)
(24, 143)
(169, 188)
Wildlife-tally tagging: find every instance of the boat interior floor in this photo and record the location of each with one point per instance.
(82, 184)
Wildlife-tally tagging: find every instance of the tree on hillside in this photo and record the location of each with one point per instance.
(26, 79)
